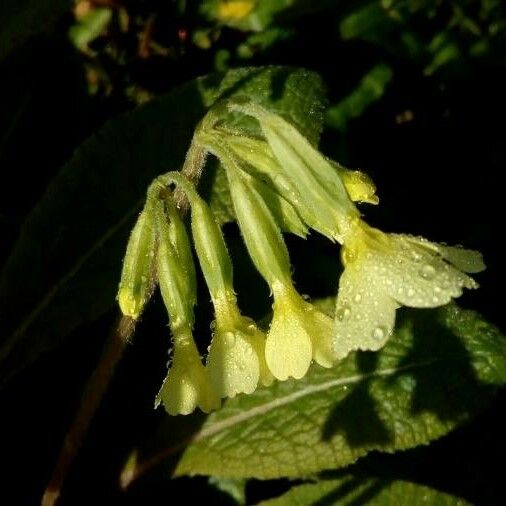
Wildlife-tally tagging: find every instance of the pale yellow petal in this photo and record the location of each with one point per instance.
(258, 339)
(187, 385)
(466, 260)
(288, 349)
(415, 275)
(321, 329)
(233, 363)
(365, 313)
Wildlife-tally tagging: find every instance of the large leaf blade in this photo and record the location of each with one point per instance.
(64, 267)
(437, 371)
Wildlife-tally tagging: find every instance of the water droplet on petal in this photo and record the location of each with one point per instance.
(411, 292)
(437, 289)
(427, 271)
(229, 338)
(213, 326)
(379, 333)
(357, 298)
(343, 313)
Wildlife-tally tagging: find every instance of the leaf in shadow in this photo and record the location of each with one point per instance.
(445, 392)
(358, 490)
(64, 268)
(365, 427)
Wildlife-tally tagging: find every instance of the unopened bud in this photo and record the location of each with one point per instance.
(136, 277)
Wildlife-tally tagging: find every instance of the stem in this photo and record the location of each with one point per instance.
(94, 391)
(114, 347)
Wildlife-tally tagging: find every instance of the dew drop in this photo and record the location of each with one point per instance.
(437, 289)
(229, 338)
(357, 298)
(343, 313)
(427, 271)
(379, 333)
(348, 256)
(411, 292)
(213, 326)
(306, 297)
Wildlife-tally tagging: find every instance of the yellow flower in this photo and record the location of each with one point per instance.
(236, 359)
(234, 9)
(187, 385)
(385, 271)
(298, 334)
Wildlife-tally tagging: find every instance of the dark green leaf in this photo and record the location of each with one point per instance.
(439, 368)
(372, 491)
(64, 267)
(370, 89)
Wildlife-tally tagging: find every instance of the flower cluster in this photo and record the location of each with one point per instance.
(278, 182)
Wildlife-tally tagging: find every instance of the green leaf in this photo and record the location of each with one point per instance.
(384, 27)
(370, 89)
(22, 18)
(235, 489)
(357, 490)
(438, 370)
(65, 266)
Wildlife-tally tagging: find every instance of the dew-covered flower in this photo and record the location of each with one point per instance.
(299, 332)
(187, 385)
(384, 271)
(236, 358)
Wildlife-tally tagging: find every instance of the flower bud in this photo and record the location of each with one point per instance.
(260, 232)
(136, 277)
(177, 284)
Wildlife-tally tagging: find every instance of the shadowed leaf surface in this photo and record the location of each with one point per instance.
(350, 490)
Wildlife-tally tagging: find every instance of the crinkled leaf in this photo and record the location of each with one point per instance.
(64, 267)
(356, 490)
(22, 18)
(438, 369)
